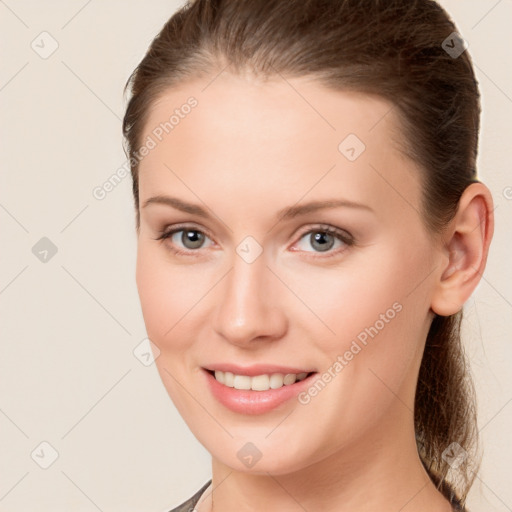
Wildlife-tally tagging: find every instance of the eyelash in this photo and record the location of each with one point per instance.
(341, 235)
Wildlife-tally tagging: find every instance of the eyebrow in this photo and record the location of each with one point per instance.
(287, 213)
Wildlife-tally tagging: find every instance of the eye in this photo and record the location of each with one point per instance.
(324, 238)
(189, 237)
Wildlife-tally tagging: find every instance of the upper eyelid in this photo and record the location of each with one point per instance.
(325, 227)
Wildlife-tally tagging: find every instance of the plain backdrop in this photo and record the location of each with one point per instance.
(74, 397)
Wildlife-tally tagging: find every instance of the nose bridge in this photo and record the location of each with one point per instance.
(248, 307)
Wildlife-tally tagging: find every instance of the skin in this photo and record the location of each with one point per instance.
(249, 149)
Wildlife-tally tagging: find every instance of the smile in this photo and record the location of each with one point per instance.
(258, 393)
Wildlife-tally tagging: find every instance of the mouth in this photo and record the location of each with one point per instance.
(258, 393)
(261, 382)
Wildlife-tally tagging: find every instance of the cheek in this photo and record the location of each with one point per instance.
(371, 358)
(350, 299)
(374, 312)
(167, 293)
(167, 296)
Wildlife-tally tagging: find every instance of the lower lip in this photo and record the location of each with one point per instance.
(246, 401)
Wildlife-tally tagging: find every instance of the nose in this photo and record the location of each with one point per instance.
(249, 306)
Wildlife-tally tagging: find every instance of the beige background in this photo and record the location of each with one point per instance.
(68, 374)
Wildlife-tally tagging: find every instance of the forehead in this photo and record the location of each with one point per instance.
(272, 109)
(246, 136)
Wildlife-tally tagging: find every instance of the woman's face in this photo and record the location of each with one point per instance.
(251, 286)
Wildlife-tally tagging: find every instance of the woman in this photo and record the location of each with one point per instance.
(310, 224)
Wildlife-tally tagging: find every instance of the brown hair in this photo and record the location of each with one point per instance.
(390, 48)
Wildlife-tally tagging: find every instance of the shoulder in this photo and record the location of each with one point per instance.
(188, 506)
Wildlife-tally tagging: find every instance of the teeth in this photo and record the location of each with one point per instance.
(242, 382)
(276, 380)
(258, 382)
(289, 378)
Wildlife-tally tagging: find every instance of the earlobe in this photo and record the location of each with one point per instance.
(465, 250)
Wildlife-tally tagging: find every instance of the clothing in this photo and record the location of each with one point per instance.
(188, 506)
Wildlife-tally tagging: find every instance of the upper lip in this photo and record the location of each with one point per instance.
(255, 369)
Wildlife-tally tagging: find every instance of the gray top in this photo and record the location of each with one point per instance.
(188, 506)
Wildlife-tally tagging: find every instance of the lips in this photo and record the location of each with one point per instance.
(262, 399)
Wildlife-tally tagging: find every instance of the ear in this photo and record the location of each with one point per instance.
(465, 249)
